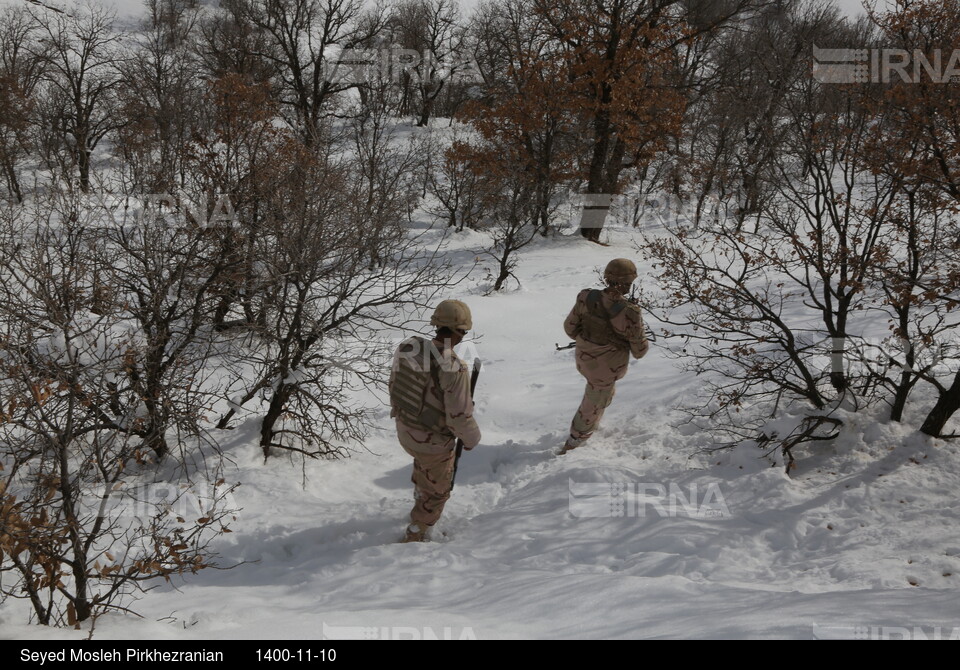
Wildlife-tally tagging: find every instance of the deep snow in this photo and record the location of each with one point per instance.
(860, 542)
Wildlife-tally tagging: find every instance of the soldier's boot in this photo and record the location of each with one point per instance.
(415, 533)
(571, 444)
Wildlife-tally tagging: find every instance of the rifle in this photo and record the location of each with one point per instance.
(569, 346)
(473, 385)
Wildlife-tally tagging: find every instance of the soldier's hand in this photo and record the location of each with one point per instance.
(643, 349)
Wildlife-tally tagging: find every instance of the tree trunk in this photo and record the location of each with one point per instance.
(947, 404)
(12, 181)
(542, 214)
(277, 404)
(425, 112)
(900, 397)
(595, 209)
(606, 164)
(504, 272)
(83, 163)
(78, 566)
(907, 376)
(838, 378)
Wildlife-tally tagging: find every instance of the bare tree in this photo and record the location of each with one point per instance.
(388, 173)
(525, 115)
(299, 36)
(728, 148)
(166, 276)
(916, 251)
(159, 97)
(624, 65)
(323, 303)
(235, 144)
(831, 210)
(458, 186)
(229, 45)
(20, 73)
(920, 141)
(718, 292)
(436, 35)
(755, 308)
(80, 53)
(78, 530)
(513, 226)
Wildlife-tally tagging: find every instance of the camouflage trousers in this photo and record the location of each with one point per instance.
(431, 478)
(596, 399)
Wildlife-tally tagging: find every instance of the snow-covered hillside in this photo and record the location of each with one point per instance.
(641, 533)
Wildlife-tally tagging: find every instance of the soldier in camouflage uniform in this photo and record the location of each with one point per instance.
(430, 400)
(608, 329)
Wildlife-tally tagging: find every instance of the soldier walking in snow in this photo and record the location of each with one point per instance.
(431, 402)
(608, 329)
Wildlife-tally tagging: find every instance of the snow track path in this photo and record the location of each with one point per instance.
(865, 534)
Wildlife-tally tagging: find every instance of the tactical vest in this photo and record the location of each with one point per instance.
(417, 365)
(595, 324)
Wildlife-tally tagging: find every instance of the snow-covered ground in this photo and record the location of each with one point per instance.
(641, 533)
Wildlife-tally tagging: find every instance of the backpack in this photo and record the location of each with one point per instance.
(595, 324)
(417, 365)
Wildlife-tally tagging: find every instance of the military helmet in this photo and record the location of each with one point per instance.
(620, 271)
(452, 314)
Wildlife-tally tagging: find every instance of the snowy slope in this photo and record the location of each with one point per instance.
(861, 542)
